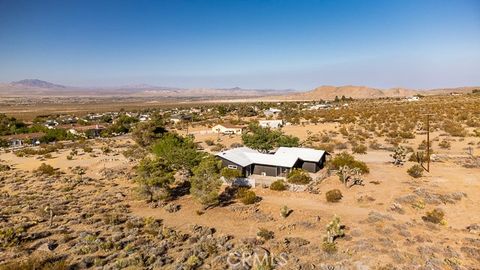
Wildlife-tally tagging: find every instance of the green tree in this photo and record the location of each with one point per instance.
(205, 182)
(154, 178)
(264, 139)
(179, 153)
(230, 174)
(145, 133)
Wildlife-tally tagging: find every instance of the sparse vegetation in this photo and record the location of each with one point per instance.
(278, 185)
(416, 171)
(299, 177)
(333, 195)
(345, 159)
(435, 216)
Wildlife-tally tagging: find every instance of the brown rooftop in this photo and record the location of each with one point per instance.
(24, 136)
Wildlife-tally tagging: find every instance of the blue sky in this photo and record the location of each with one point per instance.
(251, 44)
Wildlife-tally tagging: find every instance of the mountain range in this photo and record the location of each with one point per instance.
(35, 87)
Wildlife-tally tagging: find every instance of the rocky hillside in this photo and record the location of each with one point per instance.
(327, 92)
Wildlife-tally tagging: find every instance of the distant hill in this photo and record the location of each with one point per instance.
(35, 87)
(327, 92)
(35, 83)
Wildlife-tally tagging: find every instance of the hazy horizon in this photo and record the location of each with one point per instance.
(248, 44)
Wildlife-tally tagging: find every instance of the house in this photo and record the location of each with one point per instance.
(320, 106)
(271, 123)
(19, 140)
(176, 118)
(91, 131)
(249, 161)
(227, 129)
(272, 112)
(414, 98)
(144, 117)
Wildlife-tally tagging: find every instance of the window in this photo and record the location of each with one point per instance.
(232, 167)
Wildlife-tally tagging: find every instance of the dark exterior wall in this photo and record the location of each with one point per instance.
(225, 163)
(310, 166)
(269, 170)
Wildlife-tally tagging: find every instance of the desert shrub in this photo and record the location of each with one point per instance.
(420, 156)
(11, 236)
(209, 142)
(333, 195)
(265, 234)
(334, 230)
(218, 147)
(454, 128)
(445, 144)
(329, 247)
(87, 149)
(278, 185)
(4, 167)
(37, 263)
(415, 171)
(435, 216)
(45, 169)
(246, 196)
(285, 211)
(345, 159)
(374, 145)
(230, 174)
(299, 177)
(236, 145)
(359, 149)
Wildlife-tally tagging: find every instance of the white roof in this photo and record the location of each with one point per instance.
(283, 157)
(270, 121)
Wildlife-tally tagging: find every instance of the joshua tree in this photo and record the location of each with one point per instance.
(350, 175)
(334, 230)
(399, 155)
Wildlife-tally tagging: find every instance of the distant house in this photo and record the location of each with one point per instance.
(227, 129)
(91, 131)
(414, 98)
(320, 106)
(176, 118)
(27, 139)
(271, 123)
(272, 112)
(144, 117)
(249, 161)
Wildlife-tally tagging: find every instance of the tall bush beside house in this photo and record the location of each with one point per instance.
(230, 174)
(205, 182)
(299, 177)
(345, 159)
(154, 179)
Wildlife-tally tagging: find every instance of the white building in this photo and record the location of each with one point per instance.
(272, 112)
(227, 129)
(414, 98)
(271, 123)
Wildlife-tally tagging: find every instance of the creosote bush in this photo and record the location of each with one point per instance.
(246, 196)
(416, 171)
(45, 169)
(333, 195)
(285, 211)
(299, 177)
(343, 159)
(278, 185)
(435, 216)
(359, 149)
(265, 234)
